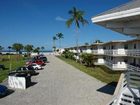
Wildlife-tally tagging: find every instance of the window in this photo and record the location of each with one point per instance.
(104, 47)
(112, 47)
(126, 46)
(135, 46)
(134, 61)
(125, 60)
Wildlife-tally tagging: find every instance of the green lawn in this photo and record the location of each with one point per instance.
(16, 61)
(101, 73)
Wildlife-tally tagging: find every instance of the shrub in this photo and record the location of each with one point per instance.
(68, 54)
(88, 59)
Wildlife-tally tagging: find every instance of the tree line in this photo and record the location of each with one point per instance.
(18, 47)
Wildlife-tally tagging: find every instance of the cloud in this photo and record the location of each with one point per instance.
(59, 18)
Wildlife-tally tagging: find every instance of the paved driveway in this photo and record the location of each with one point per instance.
(59, 84)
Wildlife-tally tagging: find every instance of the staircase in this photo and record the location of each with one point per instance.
(128, 90)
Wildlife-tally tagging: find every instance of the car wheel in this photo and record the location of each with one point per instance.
(36, 68)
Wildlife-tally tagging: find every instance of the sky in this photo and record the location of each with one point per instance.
(37, 21)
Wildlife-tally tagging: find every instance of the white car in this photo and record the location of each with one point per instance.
(36, 66)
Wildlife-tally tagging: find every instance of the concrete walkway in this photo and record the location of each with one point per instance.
(59, 84)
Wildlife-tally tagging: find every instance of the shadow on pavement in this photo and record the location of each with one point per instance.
(109, 88)
(9, 92)
(31, 84)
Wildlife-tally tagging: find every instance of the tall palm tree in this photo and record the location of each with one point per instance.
(1, 48)
(42, 48)
(54, 39)
(60, 36)
(9, 47)
(17, 47)
(28, 48)
(76, 17)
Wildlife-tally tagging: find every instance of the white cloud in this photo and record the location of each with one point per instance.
(59, 18)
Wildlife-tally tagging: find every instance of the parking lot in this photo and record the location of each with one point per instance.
(59, 84)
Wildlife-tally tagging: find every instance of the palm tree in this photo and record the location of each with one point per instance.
(9, 47)
(37, 50)
(28, 48)
(76, 18)
(54, 39)
(17, 47)
(1, 48)
(42, 48)
(98, 41)
(60, 36)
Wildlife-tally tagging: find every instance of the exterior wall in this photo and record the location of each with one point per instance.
(100, 61)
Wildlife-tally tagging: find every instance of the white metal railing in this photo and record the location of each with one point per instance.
(98, 52)
(132, 52)
(95, 51)
(86, 51)
(118, 52)
(133, 68)
(115, 66)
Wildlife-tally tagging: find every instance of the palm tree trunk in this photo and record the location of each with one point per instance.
(77, 45)
(60, 45)
(53, 44)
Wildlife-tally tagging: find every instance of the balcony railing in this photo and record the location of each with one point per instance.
(118, 52)
(98, 52)
(132, 52)
(133, 68)
(115, 66)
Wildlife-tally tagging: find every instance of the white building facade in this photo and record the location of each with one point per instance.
(125, 55)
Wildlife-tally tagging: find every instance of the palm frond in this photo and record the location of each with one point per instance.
(59, 35)
(69, 22)
(77, 16)
(77, 24)
(70, 12)
(54, 38)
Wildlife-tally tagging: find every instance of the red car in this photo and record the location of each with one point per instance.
(39, 62)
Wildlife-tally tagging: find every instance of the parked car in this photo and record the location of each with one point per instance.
(39, 62)
(3, 90)
(2, 67)
(26, 70)
(43, 58)
(35, 66)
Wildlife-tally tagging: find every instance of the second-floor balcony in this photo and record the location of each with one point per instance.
(87, 51)
(133, 52)
(118, 52)
(98, 52)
